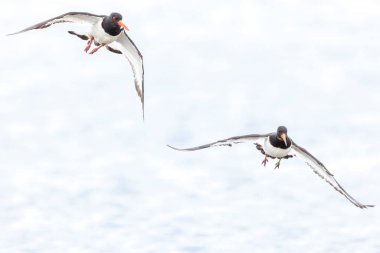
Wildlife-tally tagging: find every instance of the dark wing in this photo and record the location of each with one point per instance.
(253, 138)
(135, 58)
(321, 171)
(74, 17)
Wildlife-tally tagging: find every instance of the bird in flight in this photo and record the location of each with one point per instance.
(104, 31)
(278, 145)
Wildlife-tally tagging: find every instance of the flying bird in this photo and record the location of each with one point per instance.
(278, 145)
(104, 31)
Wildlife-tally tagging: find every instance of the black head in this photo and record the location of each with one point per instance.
(113, 24)
(116, 17)
(282, 134)
(282, 130)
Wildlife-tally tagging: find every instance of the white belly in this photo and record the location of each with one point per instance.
(273, 151)
(100, 35)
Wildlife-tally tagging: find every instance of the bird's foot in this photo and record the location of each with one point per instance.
(277, 165)
(89, 44)
(264, 162)
(96, 49)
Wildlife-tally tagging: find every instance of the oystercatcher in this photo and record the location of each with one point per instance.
(279, 146)
(104, 31)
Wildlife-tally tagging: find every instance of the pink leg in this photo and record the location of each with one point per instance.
(89, 44)
(97, 48)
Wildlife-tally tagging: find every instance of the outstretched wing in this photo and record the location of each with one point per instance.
(321, 171)
(135, 58)
(74, 17)
(253, 138)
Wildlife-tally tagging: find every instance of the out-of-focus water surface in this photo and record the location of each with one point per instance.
(81, 172)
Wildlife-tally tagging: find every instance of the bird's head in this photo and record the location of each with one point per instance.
(282, 134)
(117, 20)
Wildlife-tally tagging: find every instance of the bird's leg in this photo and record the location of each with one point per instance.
(277, 166)
(89, 44)
(97, 48)
(265, 161)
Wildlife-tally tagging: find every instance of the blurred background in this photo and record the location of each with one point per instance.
(81, 172)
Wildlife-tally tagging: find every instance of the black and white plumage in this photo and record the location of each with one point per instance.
(279, 146)
(105, 30)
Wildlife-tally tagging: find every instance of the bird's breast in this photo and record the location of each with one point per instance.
(101, 36)
(274, 151)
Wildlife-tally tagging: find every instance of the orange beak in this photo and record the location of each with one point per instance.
(123, 25)
(283, 137)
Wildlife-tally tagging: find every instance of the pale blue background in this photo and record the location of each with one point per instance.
(81, 172)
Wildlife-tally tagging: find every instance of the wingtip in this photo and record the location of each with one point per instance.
(9, 34)
(142, 104)
(169, 146)
(143, 113)
(174, 147)
(361, 206)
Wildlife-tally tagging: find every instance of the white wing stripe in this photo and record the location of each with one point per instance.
(322, 171)
(75, 17)
(135, 59)
(254, 138)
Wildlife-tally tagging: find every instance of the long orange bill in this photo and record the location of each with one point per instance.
(123, 25)
(283, 137)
